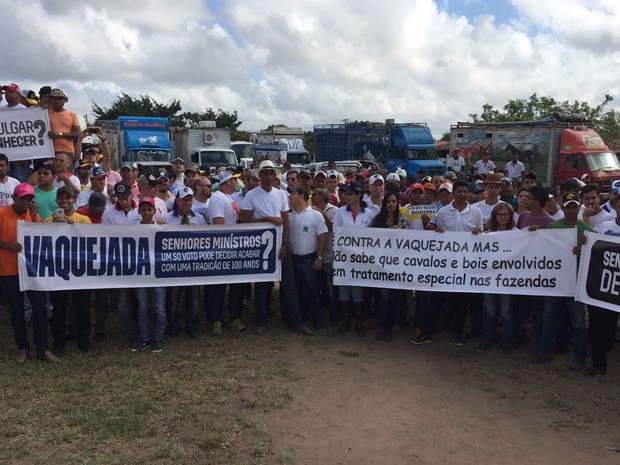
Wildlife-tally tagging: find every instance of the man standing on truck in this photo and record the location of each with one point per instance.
(178, 167)
(64, 124)
(484, 166)
(514, 168)
(455, 162)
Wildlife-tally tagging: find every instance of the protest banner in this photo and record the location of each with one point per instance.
(598, 281)
(85, 256)
(511, 262)
(23, 134)
(421, 210)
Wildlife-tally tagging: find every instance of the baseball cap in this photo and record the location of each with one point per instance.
(319, 172)
(122, 189)
(178, 159)
(570, 197)
(64, 190)
(392, 177)
(129, 165)
(475, 188)
(23, 189)
(305, 173)
(98, 172)
(332, 173)
(184, 192)
(415, 186)
(354, 187)
(149, 200)
(401, 173)
(225, 176)
(376, 177)
(163, 175)
(447, 186)
(299, 190)
(429, 186)
(11, 87)
(81, 163)
(615, 186)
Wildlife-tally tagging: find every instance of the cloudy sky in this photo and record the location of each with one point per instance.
(301, 62)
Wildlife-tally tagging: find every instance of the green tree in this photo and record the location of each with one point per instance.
(606, 123)
(222, 118)
(145, 105)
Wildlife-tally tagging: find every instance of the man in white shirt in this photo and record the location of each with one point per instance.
(593, 214)
(455, 162)
(484, 165)
(202, 196)
(13, 98)
(98, 183)
(374, 199)
(514, 168)
(266, 204)
(307, 239)
(458, 216)
(64, 176)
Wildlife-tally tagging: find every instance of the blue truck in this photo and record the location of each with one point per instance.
(410, 146)
(140, 139)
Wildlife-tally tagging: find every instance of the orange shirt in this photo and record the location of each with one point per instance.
(8, 233)
(63, 121)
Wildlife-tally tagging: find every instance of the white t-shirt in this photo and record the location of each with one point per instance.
(239, 198)
(194, 219)
(516, 170)
(455, 164)
(202, 208)
(74, 180)
(6, 191)
(485, 209)
(305, 229)
(222, 205)
(82, 198)
(609, 228)
(265, 204)
(598, 219)
(113, 215)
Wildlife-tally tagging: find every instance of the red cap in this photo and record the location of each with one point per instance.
(12, 87)
(149, 200)
(23, 189)
(415, 186)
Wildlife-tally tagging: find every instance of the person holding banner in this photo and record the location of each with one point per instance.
(7, 183)
(354, 215)
(571, 204)
(21, 210)
(266, 204)
(458, 216)
(183, 214)
(501, 219)
(81, 298)
(224, 210)
(390, 302)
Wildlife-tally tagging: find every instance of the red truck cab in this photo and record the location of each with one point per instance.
(583, 151)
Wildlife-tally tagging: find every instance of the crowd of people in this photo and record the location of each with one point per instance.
(79, 186)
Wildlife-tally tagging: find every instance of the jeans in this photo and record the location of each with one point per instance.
(602, 327)
(155, 298)
(390, 303)
(15, 299)
(328, 291)
(81, 302)
(173, 297)
(101, 310)
(262, 294)
(577, 312)
(126, 314)
(306, 277)
(494, 304)
(458, 304)
(235, 301)
(427, 310)
(289, 293)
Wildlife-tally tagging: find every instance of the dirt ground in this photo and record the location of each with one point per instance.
(363, 401)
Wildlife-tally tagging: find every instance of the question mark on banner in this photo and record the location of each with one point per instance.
(40, 125)
(267, 238)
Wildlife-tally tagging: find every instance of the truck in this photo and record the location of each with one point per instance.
(205, 146)
(139, 139)
(556, 148)
(409, 146)
(281, 143)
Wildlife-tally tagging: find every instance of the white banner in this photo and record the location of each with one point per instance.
(598, 282)
(512, 262)
(94, 256)
(23, 134)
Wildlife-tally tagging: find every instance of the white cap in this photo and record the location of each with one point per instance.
(184, 192)
(331, 173)
(374, 178)
(392, 177)
(401, 172)
(319, 172)
(447, 186)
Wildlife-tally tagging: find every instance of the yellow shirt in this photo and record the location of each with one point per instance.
(77, 219)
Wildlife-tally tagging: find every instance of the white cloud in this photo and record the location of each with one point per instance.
(313, 61)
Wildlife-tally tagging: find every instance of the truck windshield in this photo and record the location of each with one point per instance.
(298, 158)
(422, 154)
(150, 155)
(218, 157)
(603, 161)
